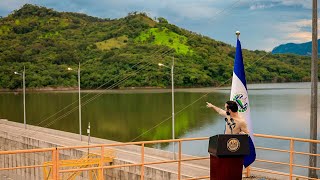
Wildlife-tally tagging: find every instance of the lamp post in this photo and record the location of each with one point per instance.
(24, 95)
(172, 102)
(70, 69)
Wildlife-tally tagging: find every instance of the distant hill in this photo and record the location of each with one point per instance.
(124, 52)
(292, 48)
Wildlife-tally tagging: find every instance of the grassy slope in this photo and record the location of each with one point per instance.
(117, 42)
(165, 37)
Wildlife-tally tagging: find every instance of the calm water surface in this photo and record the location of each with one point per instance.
(276, 109)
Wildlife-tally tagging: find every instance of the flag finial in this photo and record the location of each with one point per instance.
(238, 34)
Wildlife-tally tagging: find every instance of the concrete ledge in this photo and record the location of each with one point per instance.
(14, 136)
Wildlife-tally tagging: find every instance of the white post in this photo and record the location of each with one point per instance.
(24, 97)
(79, 103)
(172, 89)
(88, 132)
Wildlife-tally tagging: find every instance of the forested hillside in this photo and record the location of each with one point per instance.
(124, 53)
(292, 48)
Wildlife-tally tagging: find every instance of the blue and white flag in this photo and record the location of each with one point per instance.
(239, 94)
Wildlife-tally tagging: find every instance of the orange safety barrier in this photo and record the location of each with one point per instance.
(55, 164)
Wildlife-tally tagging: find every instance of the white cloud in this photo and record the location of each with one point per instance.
(192, 10)
(303, 3)
(298, 31)
(299, 37)
(264, 4)
(295, 26)
(261, 6)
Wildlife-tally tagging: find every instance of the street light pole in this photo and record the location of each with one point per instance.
(24, 97)
(172, 101)
(24, 94)
(79, 93)
(79, 102)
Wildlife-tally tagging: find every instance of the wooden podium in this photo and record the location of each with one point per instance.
(226, 156)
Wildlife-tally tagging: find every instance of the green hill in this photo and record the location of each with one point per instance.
(123, 52)
(163, 36)
(304, 49)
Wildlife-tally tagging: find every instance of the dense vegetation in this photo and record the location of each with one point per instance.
(124, 53)
(300, 49)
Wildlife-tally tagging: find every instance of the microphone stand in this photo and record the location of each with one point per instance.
(231, 124)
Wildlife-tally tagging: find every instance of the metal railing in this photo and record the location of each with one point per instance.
(57, 170)
(142, 163)
(291, 152)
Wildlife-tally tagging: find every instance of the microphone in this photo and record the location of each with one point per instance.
(233, 123)
(228, 119)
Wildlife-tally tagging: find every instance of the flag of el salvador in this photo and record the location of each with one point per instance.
(239, 94)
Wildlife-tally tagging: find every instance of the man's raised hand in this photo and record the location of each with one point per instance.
(209, 105)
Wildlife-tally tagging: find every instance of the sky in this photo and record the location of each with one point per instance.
(264, 24)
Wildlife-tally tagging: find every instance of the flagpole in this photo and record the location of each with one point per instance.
(239, 94)
(238, 34)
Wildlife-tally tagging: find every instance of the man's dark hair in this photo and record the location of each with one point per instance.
(233, 106)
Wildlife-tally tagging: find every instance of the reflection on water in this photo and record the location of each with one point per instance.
(277, 109)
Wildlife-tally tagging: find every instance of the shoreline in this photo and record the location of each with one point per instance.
(75, 89)
(154, 89)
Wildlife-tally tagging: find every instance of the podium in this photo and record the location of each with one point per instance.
(226, 156)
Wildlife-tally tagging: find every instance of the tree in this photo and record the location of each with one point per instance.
(162, 20)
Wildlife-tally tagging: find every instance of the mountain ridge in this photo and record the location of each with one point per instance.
(124, 52)
(295, 48)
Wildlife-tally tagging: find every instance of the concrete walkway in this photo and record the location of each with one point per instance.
(129, 153)
(48, 138)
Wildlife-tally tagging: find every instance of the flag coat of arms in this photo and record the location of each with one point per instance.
(239, 94)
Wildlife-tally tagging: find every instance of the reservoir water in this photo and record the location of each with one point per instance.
(134, 115)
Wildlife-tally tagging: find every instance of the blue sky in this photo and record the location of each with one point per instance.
(263, 24)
